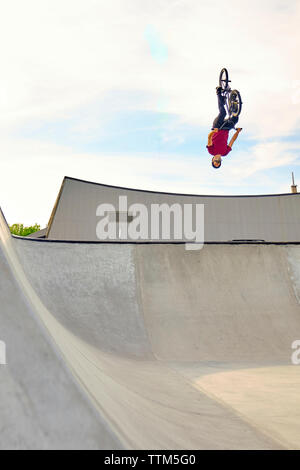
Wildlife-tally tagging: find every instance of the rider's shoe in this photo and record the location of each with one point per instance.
(218, 90)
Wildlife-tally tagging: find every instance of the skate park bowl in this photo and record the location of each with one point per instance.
(148, 345)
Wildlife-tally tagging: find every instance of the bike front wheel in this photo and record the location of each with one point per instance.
(224, 79)
(235, 103)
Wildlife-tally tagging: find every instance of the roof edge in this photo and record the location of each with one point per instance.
(152, 242)
(55, 208)
(178, 194)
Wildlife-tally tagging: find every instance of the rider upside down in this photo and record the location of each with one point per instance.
(218, 137)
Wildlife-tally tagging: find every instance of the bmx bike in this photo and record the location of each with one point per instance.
(233, 100)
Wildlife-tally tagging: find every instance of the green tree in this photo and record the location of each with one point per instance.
(19, 229)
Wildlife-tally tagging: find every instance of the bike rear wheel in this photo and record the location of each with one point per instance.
(224, 79)
(235, 103)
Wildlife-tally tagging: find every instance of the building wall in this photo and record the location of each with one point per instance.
(271, 218)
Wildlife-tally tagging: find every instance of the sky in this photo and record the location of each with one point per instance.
(123, 93)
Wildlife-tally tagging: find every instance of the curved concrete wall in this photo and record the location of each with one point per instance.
(170, 349)
(42, 406)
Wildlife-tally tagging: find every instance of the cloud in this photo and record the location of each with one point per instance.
(30, 198)
(60, 55)
(88, 63)
(264, 156)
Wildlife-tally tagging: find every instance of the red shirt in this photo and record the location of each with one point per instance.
(218, 142)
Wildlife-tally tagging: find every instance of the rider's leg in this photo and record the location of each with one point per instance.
(230, 123)
(222, 112)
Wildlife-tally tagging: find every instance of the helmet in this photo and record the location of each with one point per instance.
(213, 165)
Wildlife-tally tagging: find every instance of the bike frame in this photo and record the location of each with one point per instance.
(226, 94)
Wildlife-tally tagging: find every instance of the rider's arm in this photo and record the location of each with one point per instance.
(209, 142)
(234, 137)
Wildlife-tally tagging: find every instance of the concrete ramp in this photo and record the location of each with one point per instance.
(148, 346)
(41, 404)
